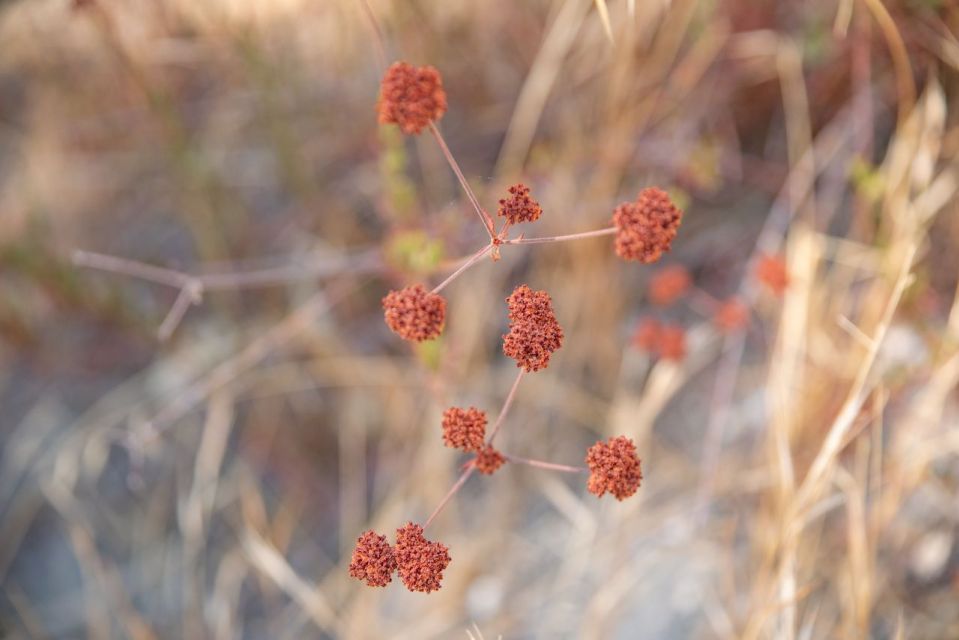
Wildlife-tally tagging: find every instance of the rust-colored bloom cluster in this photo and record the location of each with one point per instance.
(613, 467)
(771, 271)
(534, 334)
(411, 97)
(421, 562)
(373, 560)
(669, 285)
(519, 206)
(464, 428)
(666, 341)
(413, 313)
(488, 460)
(731, 316)
(645, 228)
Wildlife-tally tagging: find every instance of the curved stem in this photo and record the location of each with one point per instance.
(572, 236)
(466, 265)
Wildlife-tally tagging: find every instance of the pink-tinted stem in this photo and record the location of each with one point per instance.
(506, 406)
(540, 464)
(573, 236)
(452, 492)
(484, 217)
(466, 265)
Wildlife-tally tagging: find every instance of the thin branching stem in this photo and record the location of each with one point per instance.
(505, 409)
(476, 257)
(541, 464)
(484, 217)
(573, 236)
(449, 495)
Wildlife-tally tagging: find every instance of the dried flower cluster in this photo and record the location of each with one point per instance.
(731, 316)
(488, 460)
(645, 228)
(414, 313)
(464, 428)
(613, 467)
(534, 334)
(519, 206)
(421, 562)
(666, 341)
(771, 271)
(669, 285)
(373, 560)
(411, 97)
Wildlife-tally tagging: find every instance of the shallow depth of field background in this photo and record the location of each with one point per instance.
(801, 479)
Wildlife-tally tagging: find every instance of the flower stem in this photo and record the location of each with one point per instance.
(506, 406)
(540, 464)
(466, 265)
(484, 217)
(449, 495)
(573, 236)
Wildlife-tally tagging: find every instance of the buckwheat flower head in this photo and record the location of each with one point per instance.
(669, 285)
(771, 271)
(534, 334)
(645, 228)
(613, 467)
(373, 560)
(420, 561)
(732, 315)
(519, 206)
(646, 335)
(464, 428)
(411, 97)
(672, 343)
(488, 460)
(415, 314)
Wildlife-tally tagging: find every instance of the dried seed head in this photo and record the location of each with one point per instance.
(672, 343)
(414, 313)
(464, 428)
(373, 560)
(420, 561)
(534, 334)
(519, 206)
(411, 97)
(613, 467)
(646, 227)
(488, 460)
(731, 316)
(669, 285)
(771, 271)
(646, 335)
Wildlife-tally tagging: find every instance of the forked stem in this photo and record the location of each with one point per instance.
(484, 217)
(476, 257)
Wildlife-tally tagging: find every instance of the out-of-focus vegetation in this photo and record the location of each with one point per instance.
(800, 479)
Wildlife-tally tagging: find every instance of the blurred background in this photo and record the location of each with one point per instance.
(192, 452)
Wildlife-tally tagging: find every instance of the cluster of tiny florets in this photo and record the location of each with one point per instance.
(666, 341)
(464, 428)
(732, 315)
(421, 562)
(519, 206)
(373, 561)
(771, 271)
(534, 334)
(488, 460)
(669, 285)
(613, 467)
(414, 313)
(645, 228)
(411, 97)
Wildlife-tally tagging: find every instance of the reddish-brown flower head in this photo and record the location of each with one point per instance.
(646, 335)
(534, 334)
(669, 285)
(519, 206)
(373, 560)
(464, 428)
(672, 343)
(731, 316)
(771, 271)
(411, 97)
(414, 313)
(420, 561)
(646, 227)
(613, 467)
(488, 460)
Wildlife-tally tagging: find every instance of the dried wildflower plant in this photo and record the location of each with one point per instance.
(414, 313)
(772, 273)
(645, 228)
(420, 562)
(411, 97)
(373, 560)
(614, 467)
(669, 285)
(488, 460)
(519, 206)
(464, 428)
(534, 333)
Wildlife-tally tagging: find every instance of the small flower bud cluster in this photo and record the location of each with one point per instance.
(645, 228)
(534, 334)
(414, 313)
(411, 97)
(420, 562)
